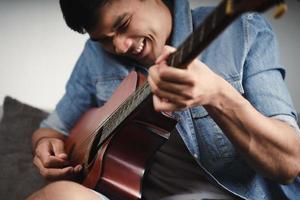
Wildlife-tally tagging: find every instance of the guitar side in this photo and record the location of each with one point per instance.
(118, 167)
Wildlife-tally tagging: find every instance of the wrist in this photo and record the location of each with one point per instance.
(36, 143)
(44, 133)
(227, 99)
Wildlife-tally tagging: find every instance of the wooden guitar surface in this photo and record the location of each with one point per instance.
(117, 168)
(116, 153)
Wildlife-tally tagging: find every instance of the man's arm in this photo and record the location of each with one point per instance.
(45, 133)
(270, 146)
(48, 144)
(50, 157)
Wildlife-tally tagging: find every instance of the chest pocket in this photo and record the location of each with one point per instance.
(216, 151)
(105, 87)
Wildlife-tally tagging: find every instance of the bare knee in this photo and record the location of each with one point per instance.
(62, 190)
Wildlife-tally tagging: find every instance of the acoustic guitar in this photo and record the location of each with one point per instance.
(115, 143)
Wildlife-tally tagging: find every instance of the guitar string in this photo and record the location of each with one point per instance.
(89, 139)
(138, 92)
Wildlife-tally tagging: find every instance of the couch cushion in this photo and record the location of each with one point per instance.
(1, 112)
(18, 176)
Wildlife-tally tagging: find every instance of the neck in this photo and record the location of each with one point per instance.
(169, 4)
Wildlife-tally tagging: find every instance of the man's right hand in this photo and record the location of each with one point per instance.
(51, 159)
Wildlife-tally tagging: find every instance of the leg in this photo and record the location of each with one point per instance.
(63, 190)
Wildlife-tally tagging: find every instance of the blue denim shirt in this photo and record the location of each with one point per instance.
(245, 55)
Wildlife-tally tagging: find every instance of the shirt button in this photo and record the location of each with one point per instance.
(250, 16)
(195, 156)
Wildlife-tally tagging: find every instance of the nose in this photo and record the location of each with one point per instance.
(122, 43)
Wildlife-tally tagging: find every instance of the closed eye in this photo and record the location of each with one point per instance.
(124, 26)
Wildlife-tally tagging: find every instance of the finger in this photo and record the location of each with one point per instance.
(38, 163)
(44, 153)
(77, 168)
(43, 149)
(55, 162)
(58, 149)
(178, 98)
(165, 54)
(57, 173)
(162, 72)
(178, 89)
(162, 105)
(175, 75)
(54, 173)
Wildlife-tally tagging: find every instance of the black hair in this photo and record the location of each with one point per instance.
(81, 15)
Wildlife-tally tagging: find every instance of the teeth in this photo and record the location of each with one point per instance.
(139, 48)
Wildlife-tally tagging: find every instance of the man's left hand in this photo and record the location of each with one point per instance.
(177, 89)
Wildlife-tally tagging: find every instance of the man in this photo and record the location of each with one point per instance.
(242, 143)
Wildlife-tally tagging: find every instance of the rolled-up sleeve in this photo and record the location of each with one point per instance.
(263, 77)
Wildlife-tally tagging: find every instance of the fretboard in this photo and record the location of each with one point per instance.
(203, 35)
(210, 28)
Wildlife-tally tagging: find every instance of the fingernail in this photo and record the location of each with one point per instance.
(78, 168)
(62, 155)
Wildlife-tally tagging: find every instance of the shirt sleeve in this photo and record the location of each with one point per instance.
(78, 98)
(289, 120)
(263, 77)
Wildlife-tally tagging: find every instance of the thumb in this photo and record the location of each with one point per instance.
(58, 149)
(165, 54)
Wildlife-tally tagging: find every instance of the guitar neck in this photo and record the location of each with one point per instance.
(212, 26)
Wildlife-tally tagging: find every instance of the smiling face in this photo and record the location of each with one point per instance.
(137, 29)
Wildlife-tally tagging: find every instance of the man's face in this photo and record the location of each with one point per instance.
(137, 29)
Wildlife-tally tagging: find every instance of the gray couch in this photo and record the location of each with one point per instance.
(18, 176)
(1, 112)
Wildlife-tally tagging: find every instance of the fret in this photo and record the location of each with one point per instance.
(180, 55)
(221, 13)
(139, 92)
(201, 35)
(207, 27)
(215, 16)
(127, 105)
(229, 7)
(177, 59)
(186, 49)
(123, 112)
(123, 109)
(190, 43)
(171, 60)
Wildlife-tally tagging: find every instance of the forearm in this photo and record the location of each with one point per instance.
(270, 146)
(45, 133)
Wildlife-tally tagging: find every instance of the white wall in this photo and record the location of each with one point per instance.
(38, 51)
(287, 30)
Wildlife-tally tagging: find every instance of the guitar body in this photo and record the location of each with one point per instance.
(118, 167)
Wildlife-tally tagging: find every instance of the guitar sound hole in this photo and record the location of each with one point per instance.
(94, 150)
